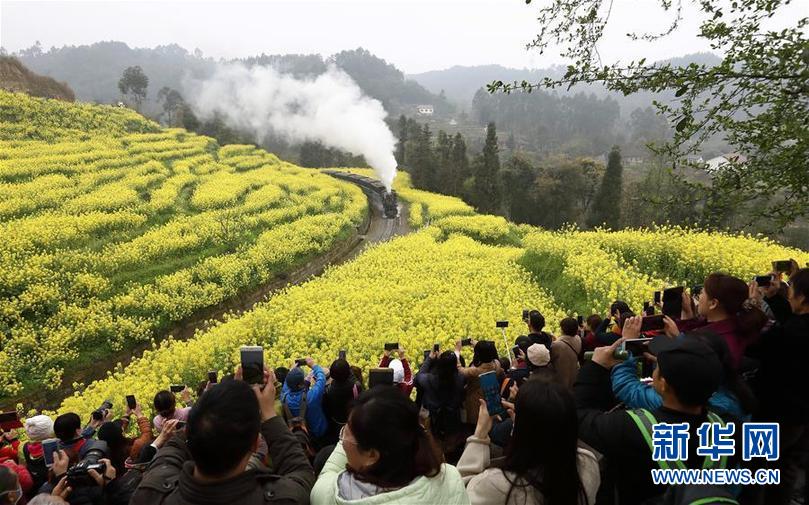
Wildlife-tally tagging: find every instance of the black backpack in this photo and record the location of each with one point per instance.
(684, 494)
(36, 466)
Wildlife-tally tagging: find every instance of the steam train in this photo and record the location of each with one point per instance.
(390, 205)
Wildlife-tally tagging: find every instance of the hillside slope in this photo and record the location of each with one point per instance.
(14, 76)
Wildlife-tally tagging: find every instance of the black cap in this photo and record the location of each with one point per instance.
(690, 366)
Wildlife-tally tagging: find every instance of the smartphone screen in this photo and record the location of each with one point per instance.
(252, 364)
(637, 346)
(466, 341)
(515, 351)
(651, 323)
(49, 446)
(212, 378)
(435, 347)
(300, 362)
(657, 297)
(176, 388)
(525, 314)
(380, 377)
(782, 266)
(341, 354)
(491, 393)
(501, 324)
(130, 401)
(673, 302)
(426, 353)
(580, 319)
(391, 346)
(763, 281)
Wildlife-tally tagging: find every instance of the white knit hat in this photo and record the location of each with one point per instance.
(539, 355)
(39, 428)
(398, 371)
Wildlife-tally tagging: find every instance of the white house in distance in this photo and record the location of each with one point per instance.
(424, 110)
(717, 163)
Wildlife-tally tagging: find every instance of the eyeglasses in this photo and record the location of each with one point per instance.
(343, 438)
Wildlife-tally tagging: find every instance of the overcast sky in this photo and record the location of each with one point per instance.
(415, 35)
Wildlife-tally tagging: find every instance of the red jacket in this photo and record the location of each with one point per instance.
(407, 385)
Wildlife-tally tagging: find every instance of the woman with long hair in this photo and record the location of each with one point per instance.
(442, 388)
(484, 359)
(724, 309)
(542, 464)
(386, 456)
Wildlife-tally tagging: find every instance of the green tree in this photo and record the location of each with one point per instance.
(172, 102)
(460, 165)
(422, 162)
(606, 207)
(444, 171)
(133, 85)
(755, 97)
(487, 195)
(518, 178)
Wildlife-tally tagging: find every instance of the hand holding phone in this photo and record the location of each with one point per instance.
(131, 402)
(466, 342)
(491, 393)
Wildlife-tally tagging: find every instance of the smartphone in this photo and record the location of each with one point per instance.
(391, 346)
(657, 297)
(300, 362)
(491, 393)
(426, 354)
(130, 402)
(380, 377)
(212, 378)
(49, 447)
(341, 354)
(252, 364)
(98, 415)
(637, 346)
(501, 324)
(176, 388)
(10, 421)
(648, 309)
(435, 347)
(763, 281)
(515, 350)
(782, 266)
(180, 425)
(651, 323)
(526, 314)
(696, 290)
(580, 319)
(673, 302)
(466, 342)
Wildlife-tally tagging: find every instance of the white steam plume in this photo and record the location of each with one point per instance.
(329, 108)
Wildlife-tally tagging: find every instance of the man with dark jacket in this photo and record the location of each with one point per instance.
(687, 374)
(209, 464)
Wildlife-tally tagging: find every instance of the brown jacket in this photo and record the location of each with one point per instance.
(565, 352)
(170, 480)
(145, 437)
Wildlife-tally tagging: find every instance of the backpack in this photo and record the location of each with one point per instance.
(297, 425)
(35, 462)
(684, 494)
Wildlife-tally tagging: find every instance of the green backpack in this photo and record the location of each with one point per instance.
(684, 494)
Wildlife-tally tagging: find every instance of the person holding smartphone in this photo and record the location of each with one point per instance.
(165, 404)
(208, 462)
(402, 375)
(307, 403)
(442, 389)
(484, 359)
(542, 454)
(124, 448)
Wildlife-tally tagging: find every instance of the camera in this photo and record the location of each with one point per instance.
(92, 451)
(98, 414)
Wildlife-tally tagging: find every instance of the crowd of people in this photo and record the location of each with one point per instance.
(571, 427)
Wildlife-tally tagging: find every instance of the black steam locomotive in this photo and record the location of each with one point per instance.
(389, 201)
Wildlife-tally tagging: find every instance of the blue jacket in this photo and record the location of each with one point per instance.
(315, 418)
(635, 395)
